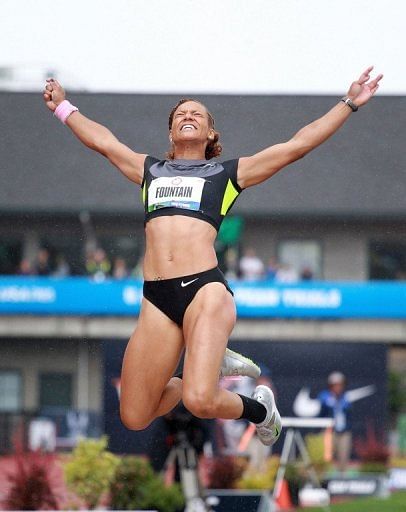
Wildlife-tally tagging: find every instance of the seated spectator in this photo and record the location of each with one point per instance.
(251, 267)
(231, 263)
(137, 271)
(25, 268)
(62, 268)
(286, 274)
(98, 265)
(306, 274)
(42, 264)
(120, 270)
(271, 269)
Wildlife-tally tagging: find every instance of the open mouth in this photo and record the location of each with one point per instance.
(187, 127)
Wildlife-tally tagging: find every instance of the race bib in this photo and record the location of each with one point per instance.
(177, 192)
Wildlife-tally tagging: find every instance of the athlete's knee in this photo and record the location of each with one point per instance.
(133, 420)
(200, 403)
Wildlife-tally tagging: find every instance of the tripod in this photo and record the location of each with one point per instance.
(294, 439)
(184, 456)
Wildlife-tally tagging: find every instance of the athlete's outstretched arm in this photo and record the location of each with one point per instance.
(96, 136)
(261, 166)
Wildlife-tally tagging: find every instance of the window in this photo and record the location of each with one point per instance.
(304, 257)
(55, 390)
(10, 391)
(10, 255)
(387, 260)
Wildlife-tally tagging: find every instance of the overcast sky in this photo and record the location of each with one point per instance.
(228, 46)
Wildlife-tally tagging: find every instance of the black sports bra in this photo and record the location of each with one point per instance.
(202, 189)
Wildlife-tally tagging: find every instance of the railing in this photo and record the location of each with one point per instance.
(266, 299)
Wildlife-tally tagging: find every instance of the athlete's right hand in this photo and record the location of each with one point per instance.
(54, 94)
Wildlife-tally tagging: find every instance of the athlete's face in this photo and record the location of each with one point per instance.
(191, 123)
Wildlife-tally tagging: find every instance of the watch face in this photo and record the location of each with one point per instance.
(352, 105)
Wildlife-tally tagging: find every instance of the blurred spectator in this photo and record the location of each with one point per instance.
(334, 404)
(286, 274)
(251, 266)
(120, 270)
(231, 262)
(62, 268)
(137, 271)
(306, 274)
(25, 268)
(42, 264)
(400, 275)
(98, 265)
(271, 269)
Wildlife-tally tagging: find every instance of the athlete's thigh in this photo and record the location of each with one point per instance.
(151, 357)
(207, 325)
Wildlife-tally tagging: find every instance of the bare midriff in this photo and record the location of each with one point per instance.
(178, 246)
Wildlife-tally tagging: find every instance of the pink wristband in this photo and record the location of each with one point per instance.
(64, 110)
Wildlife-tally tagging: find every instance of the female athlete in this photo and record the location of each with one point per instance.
(187, 303)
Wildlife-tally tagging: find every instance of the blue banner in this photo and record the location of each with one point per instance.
(266, 299)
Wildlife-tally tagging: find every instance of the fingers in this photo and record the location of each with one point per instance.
(365, 75)
(375, 81)
(374, 84)
(52, 84)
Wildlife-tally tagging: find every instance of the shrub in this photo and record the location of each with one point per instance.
(164, 499)
(135, 486)
(91, 470)
(223, 472)
(372, 449)
(252, 479)
(31, 483)
(396, 393)
(398, 462)
(315, 449)
(127, 486)
(373, 467)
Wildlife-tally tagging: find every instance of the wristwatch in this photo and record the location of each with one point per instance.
(350, 103)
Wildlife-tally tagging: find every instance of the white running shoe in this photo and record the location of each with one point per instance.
(237, 364)
(270, 429)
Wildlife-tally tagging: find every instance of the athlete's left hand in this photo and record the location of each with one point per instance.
(362, 90)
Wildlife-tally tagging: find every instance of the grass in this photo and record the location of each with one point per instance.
(396, 503)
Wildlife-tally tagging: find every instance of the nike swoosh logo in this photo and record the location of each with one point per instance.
(358, 394)
(188, 283)
(306, 407)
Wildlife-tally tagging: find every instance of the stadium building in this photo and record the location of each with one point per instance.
(340, 211)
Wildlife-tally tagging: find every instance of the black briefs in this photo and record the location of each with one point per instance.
(173, 296)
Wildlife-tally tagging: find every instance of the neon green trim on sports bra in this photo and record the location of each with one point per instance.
(230, 195)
